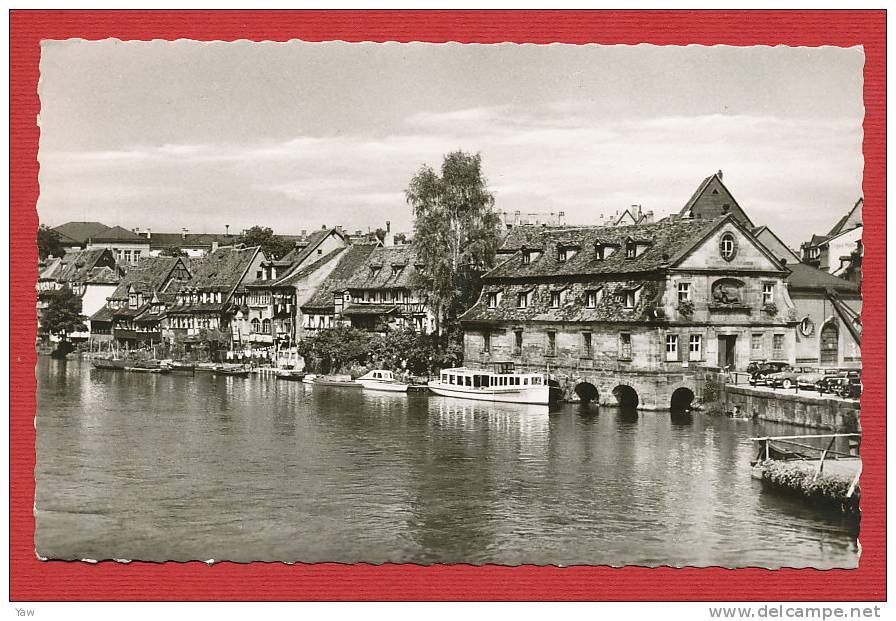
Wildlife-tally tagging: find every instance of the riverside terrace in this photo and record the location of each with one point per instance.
(634, 314)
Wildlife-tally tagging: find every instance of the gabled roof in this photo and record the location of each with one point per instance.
(78, 266)
(117, 234)
(708, 202)
(224, 268)
(354, 258)
(299, 274)
(852, 219)
(668, 238)
(150, 274)
(305, 248)
(81, 231)
(804, 277)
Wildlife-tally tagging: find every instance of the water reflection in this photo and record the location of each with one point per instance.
(159, 467)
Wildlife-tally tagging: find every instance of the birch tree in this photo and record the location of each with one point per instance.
(456, 230)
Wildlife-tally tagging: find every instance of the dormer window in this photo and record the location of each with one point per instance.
(561, 254)
(530, 255)
(593, 298)
(631, 250)
(374, 271)
(132, 300)
(494, 299)
(522, 299)
(630, 298)
(555, 299)
(396, 270)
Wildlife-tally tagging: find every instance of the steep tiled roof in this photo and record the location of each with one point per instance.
(841, 223)
(305, 248)
(295, 276)
(223, 268)
(117, 233)
(79, 266)
(353, 259)
(807, 278)
(667, 238)
(147, 276)
(191, 240)
(706, 205)
(610, 308)
(103, 314)
(81, 231)
(377, 272)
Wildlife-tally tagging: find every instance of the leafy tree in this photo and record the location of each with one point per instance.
(173, 251)
(456, 231)
(61, 315)
(337, 349)
(49, 243)
(273, 247)
(401, 238)
(380, 234)
(406, 350)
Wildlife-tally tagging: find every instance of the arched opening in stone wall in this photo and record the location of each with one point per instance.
(586, 392)
(681, 399)
(626, 396)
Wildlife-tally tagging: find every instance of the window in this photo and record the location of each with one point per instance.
(517, 342)
(127, 256)
(396, 270)
(136, 256)
(493, 299)
(132, 300)
(756, 344)
(256, 326)
(259, 274)
(631, 250)
(684, 292)
(629, 298)
(778, 345)
(695, 347)
(625, 346)
(320, 251)
(486, 341)
(552, 343)
(598, 252)
(586, 345)
(522, 300)
(555, 299)
(527, 258)
(561, 255)
(592, 298)
(266, 326)
(728, 246)
(768, 293)
(671, 347)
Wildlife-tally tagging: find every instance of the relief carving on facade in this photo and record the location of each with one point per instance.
(727, 292)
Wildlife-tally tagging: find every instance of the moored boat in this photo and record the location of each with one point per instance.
(309, 378)
(178, 366)
(233, 371)
(147, 368)
(290, 375)
(339, 381)
(382, 380)
(114, 364)
(503, 384)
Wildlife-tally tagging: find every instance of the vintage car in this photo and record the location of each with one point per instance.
(760, 371)
(850, 387)
(832, 384)
(810, 380)
(786, 378)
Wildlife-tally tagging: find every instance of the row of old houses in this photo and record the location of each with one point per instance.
(706, 286)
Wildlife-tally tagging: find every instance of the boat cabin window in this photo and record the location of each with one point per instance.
(450, 379)
(468, 381)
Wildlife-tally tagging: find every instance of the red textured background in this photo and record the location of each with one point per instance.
(31, 579)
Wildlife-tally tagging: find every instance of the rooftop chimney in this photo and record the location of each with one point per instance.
(323, 227)
(148, 233)
(388, 226)
(227, 229)
(183, 233)
(304, 232)
(719, 174)
(339, 227)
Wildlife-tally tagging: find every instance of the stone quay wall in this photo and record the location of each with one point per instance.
(806, 409)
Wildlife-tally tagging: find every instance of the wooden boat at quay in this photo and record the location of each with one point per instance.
(336, 381)
(236, 371)
(110, 364)
(501, 385)
(147, 366)
(381, 380)
(309, 378)
(290, 375)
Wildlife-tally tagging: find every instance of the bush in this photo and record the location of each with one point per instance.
(826, 489)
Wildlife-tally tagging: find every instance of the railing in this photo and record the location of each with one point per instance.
(790, 448)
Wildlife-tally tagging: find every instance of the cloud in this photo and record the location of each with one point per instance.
(561, 156)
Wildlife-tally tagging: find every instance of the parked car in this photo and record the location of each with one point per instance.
(831, 384)
(786, 378)
(762, 370)
(850, 387)
(810, 380)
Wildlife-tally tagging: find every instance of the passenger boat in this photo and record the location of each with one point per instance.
(503, 384)
(340, 381)
(309, 378)
(238, 371)
(178, 366)
(114, 364)
(290, 375)
(380, 379)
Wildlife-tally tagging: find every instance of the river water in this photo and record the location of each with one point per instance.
(179, 467)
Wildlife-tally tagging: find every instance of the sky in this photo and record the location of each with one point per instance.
(172, 135)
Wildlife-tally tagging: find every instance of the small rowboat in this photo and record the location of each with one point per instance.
(148, 369)
(232, 371)
(309, 378)
(290, 375)
(112, 364)
(337, 381)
